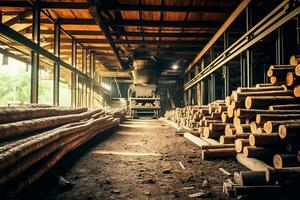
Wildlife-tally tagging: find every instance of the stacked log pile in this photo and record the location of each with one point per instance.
(34, 139)
(274, 139)
(260, 127)
(198, 118)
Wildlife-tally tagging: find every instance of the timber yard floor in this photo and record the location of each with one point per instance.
(140, 160)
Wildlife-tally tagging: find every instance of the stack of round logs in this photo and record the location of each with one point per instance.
(260, 126)
(33, 139)
(199, 118)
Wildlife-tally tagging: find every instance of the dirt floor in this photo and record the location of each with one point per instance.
(140, 160)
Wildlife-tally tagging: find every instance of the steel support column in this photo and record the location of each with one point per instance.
(279, 47)
(35, 57)
(56, 65)
(249, 57)
(189, 92)
(243, 69)
(226, 73)
(202, 84)
(84, 82)
(212, 80)
(298, 32)
(73, 78)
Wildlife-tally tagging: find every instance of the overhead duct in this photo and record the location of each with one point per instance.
(144, 71)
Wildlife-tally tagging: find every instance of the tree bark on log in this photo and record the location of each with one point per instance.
(242, 96)
(257, 152)
(22, 127)
(243, 128)
(285, 160)
(285, 107)
(284, 174)
(289, 131)
(9, 115)
(295, 60)
(253, 178)
(13, 155)
(252, 163)
(272, 126)
(45, 165)
(263, 102)
(260, 85)
(262, 118)
(230, 139)
(261, 89)
(264, 139)
(218, 153)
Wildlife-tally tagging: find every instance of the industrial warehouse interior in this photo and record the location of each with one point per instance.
(149, 99)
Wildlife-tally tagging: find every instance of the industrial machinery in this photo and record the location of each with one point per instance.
(142, 94)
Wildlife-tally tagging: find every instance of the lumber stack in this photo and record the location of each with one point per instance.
(31, 144)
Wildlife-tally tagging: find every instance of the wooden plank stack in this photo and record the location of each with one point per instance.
(33, 139)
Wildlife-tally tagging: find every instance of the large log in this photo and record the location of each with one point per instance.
(297, 70)
(251, 113)
(260, 85)
(217, 127)
(289, 131)
(277, 80)
(285, 107)
(230, 139)
(272, 126)
(260, 89)
(218, 153)
(291, 79)
(238, 104)
(243, 128)
(297, 91)
(253, 178)
(266, 101)
(207, 133)
(30, 177)
(257, 152)
(19, 128)
(252, 163)
(240, 144)
(285, 160)
(284, 174)
(41, 153)
(242, 96)
(279, 71)
(259, 191)
(295, 60)
(217, 146)
(9, 115)
(13, 144)
(10, 157)
(262, 118)
(264, 139)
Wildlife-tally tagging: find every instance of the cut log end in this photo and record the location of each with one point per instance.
(282, 131)
(248, 102)
(289, 79)
(268, 127)
(297, 91)
(277, 161)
